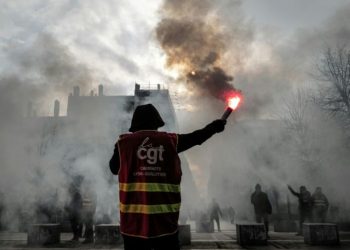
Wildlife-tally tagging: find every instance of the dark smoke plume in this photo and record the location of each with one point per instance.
(194, 42)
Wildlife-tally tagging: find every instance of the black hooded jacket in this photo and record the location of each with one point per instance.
(146, 117)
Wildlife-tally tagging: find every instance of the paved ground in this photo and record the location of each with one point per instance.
(218, 240)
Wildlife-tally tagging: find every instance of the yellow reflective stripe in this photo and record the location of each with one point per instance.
(150, 209)
(149, 187)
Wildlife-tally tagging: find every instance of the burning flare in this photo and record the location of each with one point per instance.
(233, 103)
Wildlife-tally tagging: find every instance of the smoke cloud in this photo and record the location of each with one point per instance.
(38, 72)
(210, 45)
(43, 156)
(257, 145)
(194, 42)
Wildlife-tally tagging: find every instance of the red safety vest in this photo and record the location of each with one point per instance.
(149, 184)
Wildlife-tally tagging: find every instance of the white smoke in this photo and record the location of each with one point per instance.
(52, 46)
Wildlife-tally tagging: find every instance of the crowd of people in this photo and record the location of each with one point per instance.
(312, 208)
(149, 172)
(81, 206)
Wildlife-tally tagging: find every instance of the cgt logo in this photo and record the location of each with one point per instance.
(146, 151)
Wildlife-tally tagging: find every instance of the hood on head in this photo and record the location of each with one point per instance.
(146, 117)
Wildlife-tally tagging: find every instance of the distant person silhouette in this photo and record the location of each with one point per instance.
(215, 213)
(320, 205)
(88, 210)
(262, 207)
(231, 214)
(149, 172)
(305, 206)
(74, 208)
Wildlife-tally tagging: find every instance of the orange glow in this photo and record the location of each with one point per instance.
(234, 101)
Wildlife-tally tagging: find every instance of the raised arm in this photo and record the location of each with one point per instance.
(186, 141)
(293, 192)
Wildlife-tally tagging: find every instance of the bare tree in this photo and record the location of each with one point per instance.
(334, 69)
(297, 116)
(294, 113)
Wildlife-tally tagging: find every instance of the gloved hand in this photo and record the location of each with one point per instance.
(217, 126)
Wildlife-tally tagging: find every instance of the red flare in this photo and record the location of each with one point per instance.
(233, 102)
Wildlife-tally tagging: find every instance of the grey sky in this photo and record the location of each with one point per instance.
(116, 40)
(48, 46)
(288, 15)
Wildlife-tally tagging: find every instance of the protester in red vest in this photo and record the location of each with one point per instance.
(149, 171)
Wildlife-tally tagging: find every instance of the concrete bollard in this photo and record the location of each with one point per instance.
(43, 234)
(107, 234)
(286, 226)
(344, 226)
(184, 235)
(251, 234)
(321, 234)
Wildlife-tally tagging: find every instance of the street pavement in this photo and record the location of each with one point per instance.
(217, 240)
